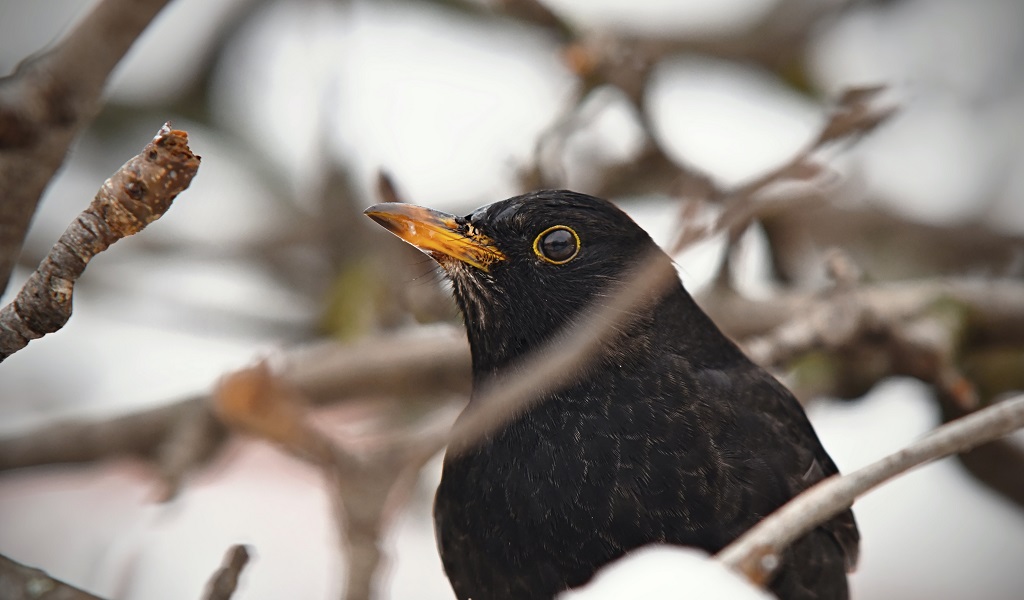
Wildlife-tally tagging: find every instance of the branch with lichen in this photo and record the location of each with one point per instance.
(139, 193)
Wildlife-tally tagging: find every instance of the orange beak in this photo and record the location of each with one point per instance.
(442, 236)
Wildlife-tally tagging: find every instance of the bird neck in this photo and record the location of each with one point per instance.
(502, 337)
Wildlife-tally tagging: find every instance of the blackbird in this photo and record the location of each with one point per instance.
(670, 435)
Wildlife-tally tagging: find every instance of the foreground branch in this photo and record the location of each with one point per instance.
(48, 100)
(139, 193)
(756, 551)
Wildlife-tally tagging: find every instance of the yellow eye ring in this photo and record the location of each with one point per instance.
(553, 246)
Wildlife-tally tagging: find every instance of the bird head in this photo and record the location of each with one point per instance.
(523, 268)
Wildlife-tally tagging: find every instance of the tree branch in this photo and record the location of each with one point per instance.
(423, 366)
(995, 309)
(47, 101)
(757, 550)
(139, 193)
(366, 482)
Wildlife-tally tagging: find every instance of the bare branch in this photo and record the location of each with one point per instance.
(223, 583)
(19, 582)
(46, 102)
(417, 367)
(770, 537)
(139, 193)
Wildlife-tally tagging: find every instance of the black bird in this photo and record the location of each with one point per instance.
(670, 435)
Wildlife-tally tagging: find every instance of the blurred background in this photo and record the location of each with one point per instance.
(664, 106)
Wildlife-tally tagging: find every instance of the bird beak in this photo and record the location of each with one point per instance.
(442, 236)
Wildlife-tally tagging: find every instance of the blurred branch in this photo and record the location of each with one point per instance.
(223, 583)
(754, 552)
(366, 483)
(139, 193)
(19, 582)
(177, 437)
(888, 246)
(418, 367)
(46, 102)
(536, 13)
(857, 112)
(791, 321)
(138, 434)
(626, 60)
(424, 365)
(387, 190)
(777, 39)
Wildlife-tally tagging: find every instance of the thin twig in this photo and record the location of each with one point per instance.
(770, 537)
(139, 193)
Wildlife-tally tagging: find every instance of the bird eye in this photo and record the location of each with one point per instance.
(557, 245)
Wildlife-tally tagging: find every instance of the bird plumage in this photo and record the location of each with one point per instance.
(670, 434)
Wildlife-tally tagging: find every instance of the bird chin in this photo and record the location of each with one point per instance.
(447, 262)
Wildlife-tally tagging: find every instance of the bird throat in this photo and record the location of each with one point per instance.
(503, 332)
